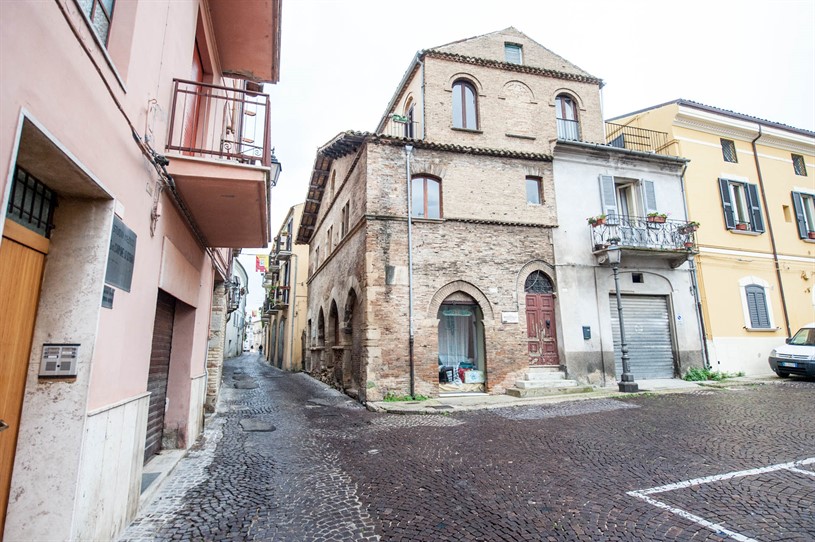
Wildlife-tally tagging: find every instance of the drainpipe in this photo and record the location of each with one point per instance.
(772, 236)
(293, 318)
(700, 321)
(408, 151)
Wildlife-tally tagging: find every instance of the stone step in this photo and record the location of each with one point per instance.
(545, 376)
(562, 383)
(541, 392)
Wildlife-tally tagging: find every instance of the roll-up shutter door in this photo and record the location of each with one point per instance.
(159, 372)
(648, 334)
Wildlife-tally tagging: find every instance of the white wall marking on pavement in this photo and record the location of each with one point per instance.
(719, 529)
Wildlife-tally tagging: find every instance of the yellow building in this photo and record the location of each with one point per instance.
(750, 184)
(284, 309)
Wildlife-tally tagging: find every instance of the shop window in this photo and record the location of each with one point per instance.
(461, 345)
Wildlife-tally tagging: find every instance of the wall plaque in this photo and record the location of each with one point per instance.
(509, 317)
(121, 256)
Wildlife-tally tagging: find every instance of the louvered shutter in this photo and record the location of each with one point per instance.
(649, 197)
(798, 205)
(727, 204)
(608, 197)
(755, 208)
(757, 307)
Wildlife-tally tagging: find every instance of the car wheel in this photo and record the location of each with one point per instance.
(782, 374)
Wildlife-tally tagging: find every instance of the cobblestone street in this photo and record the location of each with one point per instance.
(286, 458)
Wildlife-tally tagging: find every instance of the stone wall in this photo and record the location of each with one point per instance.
(215, 346)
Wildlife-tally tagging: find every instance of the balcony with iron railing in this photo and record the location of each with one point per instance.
(399, 126)
(653, 236)
(636, 139)
(219, 152)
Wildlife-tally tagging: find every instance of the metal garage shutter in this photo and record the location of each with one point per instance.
(159, 372)
(648, 334)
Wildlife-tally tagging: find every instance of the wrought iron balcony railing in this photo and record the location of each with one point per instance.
(644, 233)
(636, 139)
(401, 127)
(213, 121)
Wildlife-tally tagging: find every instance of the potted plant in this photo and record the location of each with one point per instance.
(811, 235)
(596, 220)
(657, 218)
(741, 226)
(688, 245)
(690, 227)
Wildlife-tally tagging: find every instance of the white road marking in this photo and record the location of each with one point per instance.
(719, 529)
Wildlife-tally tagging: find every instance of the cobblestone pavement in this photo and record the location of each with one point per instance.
(711, 465)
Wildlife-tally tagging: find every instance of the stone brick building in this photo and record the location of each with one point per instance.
(463, 297)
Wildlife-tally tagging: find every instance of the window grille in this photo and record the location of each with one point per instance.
(799, 165)
(31, 203)
(538, 283)
(729, 150)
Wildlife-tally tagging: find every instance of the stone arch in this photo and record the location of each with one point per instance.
(465, 76)
(518, 91)
(460, 286)
(528, 268)
(407, 102)
(569, 92)
(422, 167)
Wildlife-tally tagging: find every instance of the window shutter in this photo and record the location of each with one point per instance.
(608, 197)
(757, 307)
(727, 204)
(649, 197)
(755, 208)
(798, 205)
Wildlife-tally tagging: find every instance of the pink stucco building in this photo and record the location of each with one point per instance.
(135, 156)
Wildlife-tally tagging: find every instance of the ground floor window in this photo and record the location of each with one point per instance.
(461, 346)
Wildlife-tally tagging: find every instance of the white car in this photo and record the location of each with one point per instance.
(797, 357)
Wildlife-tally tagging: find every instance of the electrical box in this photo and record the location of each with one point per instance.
(59, 360)
(586, 333)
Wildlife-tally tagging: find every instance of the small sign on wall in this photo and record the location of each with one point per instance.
(107, 297)
(59, 360)
(121, 256)
(509, 317)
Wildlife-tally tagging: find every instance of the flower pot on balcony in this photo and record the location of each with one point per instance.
(741, 226)
(599, 222)
(688, 245)
(656, 219)
(811, 235)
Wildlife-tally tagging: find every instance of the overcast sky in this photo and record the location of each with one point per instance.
(341, 61)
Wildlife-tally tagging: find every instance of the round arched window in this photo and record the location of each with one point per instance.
(538, 283)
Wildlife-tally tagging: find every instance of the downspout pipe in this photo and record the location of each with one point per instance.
(408, 152)
(700, 320)
(772, 235)
(293, 317)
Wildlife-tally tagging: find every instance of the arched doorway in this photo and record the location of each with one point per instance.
(541, 328)
(461, 345)
(351, 355)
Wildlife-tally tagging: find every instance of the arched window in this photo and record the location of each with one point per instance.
(464, 106)
(568, 126)
(426, 197)
(538, 283)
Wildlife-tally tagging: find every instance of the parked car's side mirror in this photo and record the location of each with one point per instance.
(788, 340)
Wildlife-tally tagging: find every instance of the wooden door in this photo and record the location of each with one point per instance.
(541, 329)
(159, 372)
(21, 269)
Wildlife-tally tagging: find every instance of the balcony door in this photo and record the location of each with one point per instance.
(192, 103)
